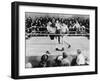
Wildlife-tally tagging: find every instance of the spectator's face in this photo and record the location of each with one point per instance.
(57, 21)
(79, 51)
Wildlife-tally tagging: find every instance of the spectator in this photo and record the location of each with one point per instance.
(57, 24)
(65, 61)
(58, 60)
(80, 58)
(28, 65)
(44, 60)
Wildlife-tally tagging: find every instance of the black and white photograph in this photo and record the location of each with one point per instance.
(51, 40)
(56, 40)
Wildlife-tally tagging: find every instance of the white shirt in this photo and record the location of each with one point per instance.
(64, 28)
(77, 25)
(58, 26)
(80, 59)
(50, 29)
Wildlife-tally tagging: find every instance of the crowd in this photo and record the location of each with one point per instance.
(46, 25)
(62, 60)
